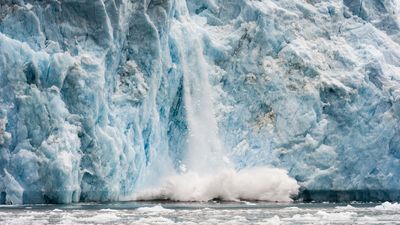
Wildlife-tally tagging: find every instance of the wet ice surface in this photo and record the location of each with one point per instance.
(202, 213)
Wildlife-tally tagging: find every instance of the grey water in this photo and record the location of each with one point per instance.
(153, 213)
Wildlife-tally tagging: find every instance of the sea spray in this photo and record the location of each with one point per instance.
(260, 183)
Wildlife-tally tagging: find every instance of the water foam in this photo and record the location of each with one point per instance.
(259, 183)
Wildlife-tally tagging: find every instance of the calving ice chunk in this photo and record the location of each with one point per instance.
(108, 100)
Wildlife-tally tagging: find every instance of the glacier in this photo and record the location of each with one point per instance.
(102, 98)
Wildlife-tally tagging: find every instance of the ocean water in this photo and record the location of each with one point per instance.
(143, 213)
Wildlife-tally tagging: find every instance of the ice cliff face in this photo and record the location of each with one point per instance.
(100, 97)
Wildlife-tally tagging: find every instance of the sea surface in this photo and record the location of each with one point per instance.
(143, 213)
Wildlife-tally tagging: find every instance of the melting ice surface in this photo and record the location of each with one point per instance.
(101, 100)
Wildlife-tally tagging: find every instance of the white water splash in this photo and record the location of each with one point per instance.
(262, 183)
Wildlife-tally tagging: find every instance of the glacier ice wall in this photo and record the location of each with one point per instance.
(84, 98)
(312, 87)
(92, 93)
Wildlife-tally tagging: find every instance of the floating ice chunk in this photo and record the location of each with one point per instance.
(293, 208)
(272, 221)
(154, 220)
(249, 203)
(345, 216)
(99, 218)
(156, 208)
(347, 207)
(108, 210)
(388, 206)
(324, 216)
